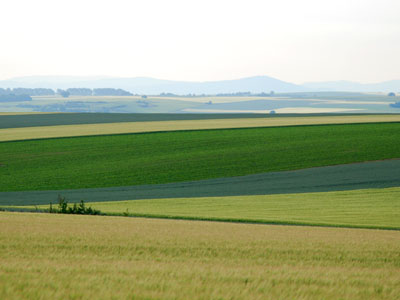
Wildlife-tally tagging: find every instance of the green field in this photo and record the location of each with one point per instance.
(84, 257)
(376, 174)
(122, 160)
(379, 208)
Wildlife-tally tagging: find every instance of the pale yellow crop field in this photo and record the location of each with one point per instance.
(50, 256)
(154, 126)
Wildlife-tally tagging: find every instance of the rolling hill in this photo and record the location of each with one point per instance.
(153, 86)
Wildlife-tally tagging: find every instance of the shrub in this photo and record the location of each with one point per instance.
(80, 209)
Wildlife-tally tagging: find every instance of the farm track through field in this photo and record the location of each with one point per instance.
(43, 132)
(379, 174)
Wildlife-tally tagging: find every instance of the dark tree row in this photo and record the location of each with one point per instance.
(80, 92)
(247, 94)
(14, 98)
(27, 91)
(111, 92)
(237, 94)
(65, 93)
(94, 92)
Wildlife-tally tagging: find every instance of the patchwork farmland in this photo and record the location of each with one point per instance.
(36, 126)
(151, 176)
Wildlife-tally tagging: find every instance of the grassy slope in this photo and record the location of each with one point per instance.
(41, 132)
(83, 257)
(369, 208)
(182, 156)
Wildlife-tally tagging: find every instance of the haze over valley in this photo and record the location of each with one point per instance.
(214, 149)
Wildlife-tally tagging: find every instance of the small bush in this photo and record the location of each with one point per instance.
(80, 209)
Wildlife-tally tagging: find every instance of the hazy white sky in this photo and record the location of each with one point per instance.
(296, 41)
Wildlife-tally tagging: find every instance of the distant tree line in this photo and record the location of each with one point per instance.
(64, 93)
(237, 94)
(80, 92)
(14, 98)
(94, 92)
(246, 94)
(27, 91)
(111, 92)
(168, 95)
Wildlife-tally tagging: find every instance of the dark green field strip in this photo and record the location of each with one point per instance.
(379, 174)
(15, 121)
(26, 120)
(137, 159)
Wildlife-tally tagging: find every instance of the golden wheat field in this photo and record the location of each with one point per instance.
(46, 256)
(154, 126)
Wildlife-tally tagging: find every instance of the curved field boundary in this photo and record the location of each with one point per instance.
(41, 132)
(378, 174)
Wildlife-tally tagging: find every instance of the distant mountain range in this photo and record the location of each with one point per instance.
(146, 85)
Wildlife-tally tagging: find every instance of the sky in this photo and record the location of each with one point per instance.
(295, 41)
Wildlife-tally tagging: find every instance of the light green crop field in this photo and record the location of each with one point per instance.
(46, 256)
(371, 208)
(40, 132)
